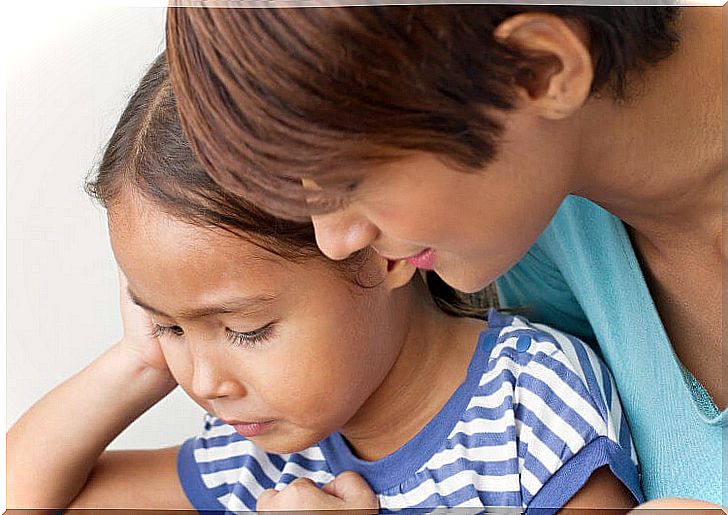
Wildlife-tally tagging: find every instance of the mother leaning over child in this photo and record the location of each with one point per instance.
(572, 153)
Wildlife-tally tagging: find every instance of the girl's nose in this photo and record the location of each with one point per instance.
(341, 233)
(211, 381)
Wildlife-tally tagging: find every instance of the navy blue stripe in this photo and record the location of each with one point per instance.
(240, 462)
(607, 388)
(567, 376)
(591, 379)
(219, 441)
(312, 465)
(246, 497)
(495, 384)
(624, 437)
(201, 497)
(482, 439)
(532, 463)
(560, 406)
(483, 413)
(277, 461)
(484, 468)
(541, 431)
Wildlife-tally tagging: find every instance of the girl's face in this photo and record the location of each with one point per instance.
(288, 351)
(469, 226)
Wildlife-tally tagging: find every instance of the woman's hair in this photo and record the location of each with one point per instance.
(147, 155)
(268, 96)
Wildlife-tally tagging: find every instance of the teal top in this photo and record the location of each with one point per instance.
(582, 276)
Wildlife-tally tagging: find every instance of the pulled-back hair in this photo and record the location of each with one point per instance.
(270, 95)
(147, 155)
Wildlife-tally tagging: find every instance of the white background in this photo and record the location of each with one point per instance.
(70, 69)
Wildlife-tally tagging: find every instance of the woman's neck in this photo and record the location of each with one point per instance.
(432, 364)
(655, 161)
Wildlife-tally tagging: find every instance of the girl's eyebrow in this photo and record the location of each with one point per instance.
(233, 305)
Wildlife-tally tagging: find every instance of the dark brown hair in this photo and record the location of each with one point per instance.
(148, 155)
(268, 96)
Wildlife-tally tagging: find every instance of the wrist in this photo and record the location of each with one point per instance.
(135, 370)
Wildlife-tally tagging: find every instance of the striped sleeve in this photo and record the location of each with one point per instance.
(220, 470)
(568, 417)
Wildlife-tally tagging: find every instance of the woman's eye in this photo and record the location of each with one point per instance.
(250, 339)
(167, 330)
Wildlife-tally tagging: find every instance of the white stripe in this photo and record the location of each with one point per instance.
(231, 450)
(538, 449)
(319, 476)
(224, 477)
(530, 482)
(501, 364)
(494, 399)
(572, 359)
(488, 453)
(214, 432)
(448, 486)
(568, 395)
(548, 417)
(480, 425)
(312, 453)
(243, 448)
(234, 504)
(614, 425)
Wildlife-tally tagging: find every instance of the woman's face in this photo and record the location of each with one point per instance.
(469, 226)
(288, 351)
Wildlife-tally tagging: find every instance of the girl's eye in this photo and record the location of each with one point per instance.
(167, 330)
(250, 339)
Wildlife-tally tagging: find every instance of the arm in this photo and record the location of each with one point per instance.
(64, 434)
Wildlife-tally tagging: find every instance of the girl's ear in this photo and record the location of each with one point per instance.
(396, 273)
(555, 78)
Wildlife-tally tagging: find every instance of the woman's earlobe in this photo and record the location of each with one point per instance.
(555, 76)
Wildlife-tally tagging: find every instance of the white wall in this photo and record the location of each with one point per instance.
(69, 74)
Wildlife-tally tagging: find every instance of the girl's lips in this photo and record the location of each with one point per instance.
(424, 260)
(250, 429)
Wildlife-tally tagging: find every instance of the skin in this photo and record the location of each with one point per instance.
(659, 170)
(340, 357)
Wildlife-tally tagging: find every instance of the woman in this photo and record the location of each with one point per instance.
(580, 144)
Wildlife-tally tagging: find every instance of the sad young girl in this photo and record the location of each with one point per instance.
(328, 385)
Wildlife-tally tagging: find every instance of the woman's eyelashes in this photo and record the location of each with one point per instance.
(249, 339)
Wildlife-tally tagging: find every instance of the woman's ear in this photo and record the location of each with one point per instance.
(555, 78)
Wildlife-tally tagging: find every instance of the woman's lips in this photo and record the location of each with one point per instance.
(424, 260)
(251, 429)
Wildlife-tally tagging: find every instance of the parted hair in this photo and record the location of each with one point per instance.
(270, 95)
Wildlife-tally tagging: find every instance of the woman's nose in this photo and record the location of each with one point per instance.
(342, 233)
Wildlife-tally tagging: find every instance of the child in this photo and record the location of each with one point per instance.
(309, 369)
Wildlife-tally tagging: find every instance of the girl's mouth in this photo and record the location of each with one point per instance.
(251, 429)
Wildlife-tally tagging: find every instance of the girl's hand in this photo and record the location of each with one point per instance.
(346, 493)
(139, 331)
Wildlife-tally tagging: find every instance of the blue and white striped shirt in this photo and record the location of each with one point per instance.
(537, 413)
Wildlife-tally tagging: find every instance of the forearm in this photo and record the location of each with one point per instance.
(63, 434)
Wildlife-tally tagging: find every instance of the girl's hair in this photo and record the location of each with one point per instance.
(148, 155)
(268, 96)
